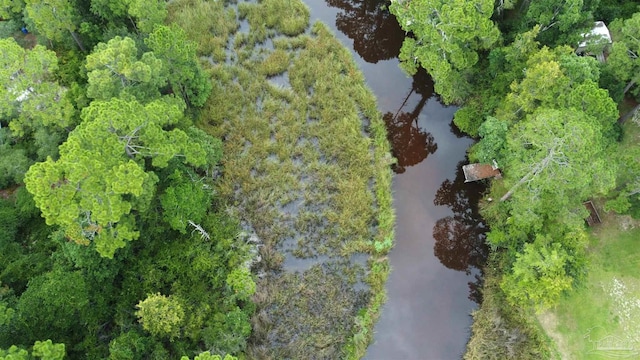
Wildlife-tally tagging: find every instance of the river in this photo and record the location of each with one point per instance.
(434, 283)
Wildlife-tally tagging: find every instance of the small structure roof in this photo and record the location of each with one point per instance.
(474, 172)
(599, 31)
(594, 217)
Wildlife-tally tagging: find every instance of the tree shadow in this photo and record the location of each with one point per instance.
(410, 143)
(375, 32)
(460, 239)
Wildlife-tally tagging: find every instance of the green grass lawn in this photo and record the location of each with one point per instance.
(601, 318)
(607, 306)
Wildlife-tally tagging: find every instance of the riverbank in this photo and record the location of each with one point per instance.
(502, 331)
(306, 169)
(599, 319)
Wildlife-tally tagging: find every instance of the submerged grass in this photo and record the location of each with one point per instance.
(306, 167)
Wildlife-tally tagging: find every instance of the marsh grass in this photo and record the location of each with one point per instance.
(307, 164)
(208, 23)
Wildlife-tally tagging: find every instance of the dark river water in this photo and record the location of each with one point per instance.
(439, 235)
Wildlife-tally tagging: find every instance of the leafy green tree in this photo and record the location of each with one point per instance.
(503, 67)
(138, 15)
(129, 345)
(542, 85)
(10, 9)
(447, 37)
(241, 283)
(101, 177)
(559, 79)
(148, 13)
(14, 162)
(161, 315)
(208, 356)
(558, 153)
(54, 18)
(30, 97)
(114, 70)
(178, 54)
(624, 60)
(185, 201)
(609, 10)
(55, 304)
(494, 140)
(561, 22)
(45, 350)
(6, 313)
(554, 160)
(538, 277)
(110, 9)
(14, 353)
(628, 178)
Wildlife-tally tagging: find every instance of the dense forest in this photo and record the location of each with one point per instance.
(550, 119)
(113, 242)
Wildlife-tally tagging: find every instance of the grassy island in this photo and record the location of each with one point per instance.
(305, 169)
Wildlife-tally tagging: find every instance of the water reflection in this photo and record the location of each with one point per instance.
(460, 238)
(410, 143)
(374, 30)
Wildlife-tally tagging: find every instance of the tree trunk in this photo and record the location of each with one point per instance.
(537, 169)
(78, 41)
(514, 187)
(629, 85)
(628, 115)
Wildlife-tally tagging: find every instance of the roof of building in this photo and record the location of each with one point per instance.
(599, 31)
(474, 172)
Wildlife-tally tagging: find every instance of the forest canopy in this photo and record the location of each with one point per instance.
(99, 149)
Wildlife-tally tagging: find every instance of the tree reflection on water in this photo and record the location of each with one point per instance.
(460, 239)
(375, 32)
(410, 143)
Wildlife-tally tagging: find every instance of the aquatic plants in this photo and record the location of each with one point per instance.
(306, 169)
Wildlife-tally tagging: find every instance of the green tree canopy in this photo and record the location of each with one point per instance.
(185, 201)
(161, 315)
(54, 304)
(178, 54)
(139, 15)
(101, 177)
(45, 350)
(54, 18)
(148, 13)
(10, 9)
(557, 78)
(114, 69)
(559, 153)
(29, 95)
(624, 60)
(447, 36)
(208, 356)
(538, 276)
(559, 19)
